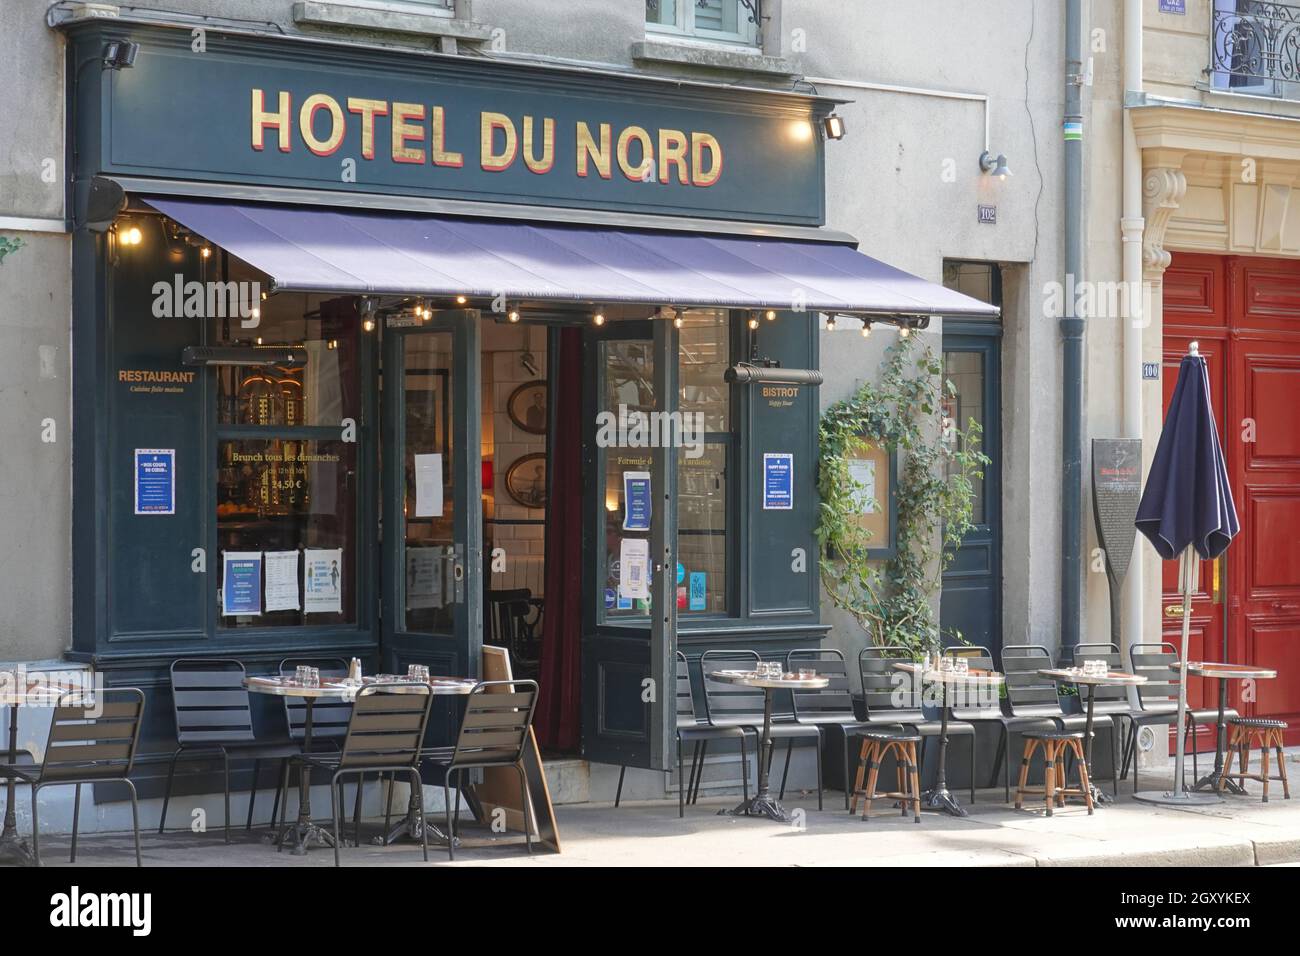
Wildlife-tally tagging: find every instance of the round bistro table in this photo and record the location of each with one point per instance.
(762, 803)
(1071, 675)
(303, 830)
(941, 798)
(1223, 673)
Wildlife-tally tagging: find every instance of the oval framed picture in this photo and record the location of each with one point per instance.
(527, 407)
(526, 480)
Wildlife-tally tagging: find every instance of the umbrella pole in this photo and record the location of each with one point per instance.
(1187, 571)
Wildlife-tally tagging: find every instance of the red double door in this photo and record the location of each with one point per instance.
(1245, 312)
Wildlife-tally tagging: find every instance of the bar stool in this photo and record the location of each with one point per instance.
(875, 746)
(1244, 732)
(1056, 745)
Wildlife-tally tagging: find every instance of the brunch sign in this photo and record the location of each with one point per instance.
(418, 134)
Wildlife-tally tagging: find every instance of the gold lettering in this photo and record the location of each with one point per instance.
(672, 152)
(439, 152)
(403, 131)
(307, 117)
(588, 150)
(547, 160)
(699, 175)
(279, 120)
(368, 110)
(489, 159)
(625, 139)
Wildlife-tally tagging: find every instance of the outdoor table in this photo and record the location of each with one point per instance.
(762, 804)
(1223, 673)
(941, 798)
(1075, 675)
(13, 848)
(303, 829)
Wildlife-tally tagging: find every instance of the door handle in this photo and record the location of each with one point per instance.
(1173, 610)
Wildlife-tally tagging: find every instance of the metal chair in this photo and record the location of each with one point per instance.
(493, 733)
(892, 697)
(690, 729)
(1033, 700)
(981, 658)
(732, 705)
(213, 715)
(1111, 700)
(507, 613)
(93, 739)
(384, 735)
(329, 724)
(832, 706)
(1159, 701)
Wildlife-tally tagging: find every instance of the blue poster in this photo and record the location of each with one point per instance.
(610, 598)
(1174, 6)
(155, 481)
(636, 501)
(241, 582)
(778, 481)
(698, 581)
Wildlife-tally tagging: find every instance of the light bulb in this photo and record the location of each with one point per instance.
(368, 325)
(513, 315)
(904, 331)
(866, 328)
(598, 318)
(830, 323)
(770, 315)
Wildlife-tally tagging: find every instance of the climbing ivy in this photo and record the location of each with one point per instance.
(10, 244)
(904, 412)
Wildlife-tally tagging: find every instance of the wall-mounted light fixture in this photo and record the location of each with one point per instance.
(866, 328)
(833, 126)
(830, 322)
(513, 315)
(598, 317)
(678, 318)
(120, 54)
(995, 166)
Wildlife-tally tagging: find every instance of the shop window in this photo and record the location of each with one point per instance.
(731, 21)
(705, 459)
(286, 480)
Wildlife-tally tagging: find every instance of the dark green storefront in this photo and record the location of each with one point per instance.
(184, 124)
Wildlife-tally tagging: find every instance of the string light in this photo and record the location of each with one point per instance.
(770, 315)
(461, 300)
(205, 252)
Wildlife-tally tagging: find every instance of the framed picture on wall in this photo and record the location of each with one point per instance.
(875, 468)
(526, 480)
(527, 407)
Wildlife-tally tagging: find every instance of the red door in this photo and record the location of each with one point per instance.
(1246, 315)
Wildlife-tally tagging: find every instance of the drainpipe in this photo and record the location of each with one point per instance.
(1135, 317)
(1072, 339)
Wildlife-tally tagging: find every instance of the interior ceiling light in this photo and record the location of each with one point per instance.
(995, 166)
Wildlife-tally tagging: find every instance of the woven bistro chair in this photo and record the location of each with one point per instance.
(732, 705)
(1111, 700)
(213, 716)
(493, 733)
(93, 739)
(384, 735)
(690, 729)
(892, 697)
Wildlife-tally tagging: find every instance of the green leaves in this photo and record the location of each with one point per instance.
(903, 411)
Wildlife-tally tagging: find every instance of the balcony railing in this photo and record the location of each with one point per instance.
(1255, 47)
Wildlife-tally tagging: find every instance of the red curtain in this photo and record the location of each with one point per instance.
(559, 704)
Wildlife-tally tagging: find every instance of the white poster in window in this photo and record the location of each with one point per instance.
(634, 568)
(281, 571)
(322, 578)
(428, 486)
(424, 568)
(863, 472)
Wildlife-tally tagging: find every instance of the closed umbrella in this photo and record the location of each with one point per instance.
(1187, 512)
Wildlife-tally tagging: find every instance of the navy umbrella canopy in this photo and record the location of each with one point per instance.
(1187, 511)
(1187, 500)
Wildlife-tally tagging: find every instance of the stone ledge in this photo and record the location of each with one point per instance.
(346, 15)
(709, 57)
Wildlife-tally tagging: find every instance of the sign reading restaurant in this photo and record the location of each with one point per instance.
(261, 111)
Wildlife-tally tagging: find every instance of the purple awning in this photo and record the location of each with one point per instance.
(323, 249)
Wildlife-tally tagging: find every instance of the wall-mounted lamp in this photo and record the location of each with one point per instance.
(995, 166)
(830, 322)
(366, 306)
(833, 126)
(753, 321)
(866, 328)
(120, 54)
(678, 319)
(770, 315)
(598, 317)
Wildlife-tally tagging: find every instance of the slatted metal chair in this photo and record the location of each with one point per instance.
(690, 729)
(985, 712)
(732, 705)
(93, 739)
(831, 706)
(1034, 701)
(493, 733)
(893, 697)
(385, 733)
(329, 723)
(1159, 701)
(213, 716)
(1111, 700)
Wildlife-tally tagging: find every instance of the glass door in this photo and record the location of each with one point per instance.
(432, 529)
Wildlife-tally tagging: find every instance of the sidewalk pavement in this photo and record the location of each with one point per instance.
(1240, 831)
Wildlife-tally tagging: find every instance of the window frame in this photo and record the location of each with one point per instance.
(685, 28)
